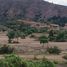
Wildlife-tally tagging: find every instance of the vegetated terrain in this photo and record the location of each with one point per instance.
(29, 48)
(36, 10)
(33, 42)
(16, 61)
(30, 44)
(26, 30)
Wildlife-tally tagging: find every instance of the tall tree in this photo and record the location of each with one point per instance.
(43, 40)
(61, 37)
(51, 35)
(17, 35)
(10, 35)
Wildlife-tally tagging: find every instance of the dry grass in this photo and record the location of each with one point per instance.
(32, 45)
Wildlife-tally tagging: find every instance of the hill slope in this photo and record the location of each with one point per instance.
(30, 9)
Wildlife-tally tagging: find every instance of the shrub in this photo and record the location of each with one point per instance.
(44, 58)
(32, 36)
(41, 63)
(11, 35)
(35, 57)
(52, 38)
(6, 49)
(22, 35)
(43, 40)
(12, 61)
(61, 37)
(46, 63)
(65, 57)
(15, 61)
(56, 62)
(54, 50)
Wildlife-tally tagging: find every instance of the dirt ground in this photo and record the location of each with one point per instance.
(33, 46)
(31, 42)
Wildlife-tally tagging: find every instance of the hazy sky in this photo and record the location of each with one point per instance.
(61, 2)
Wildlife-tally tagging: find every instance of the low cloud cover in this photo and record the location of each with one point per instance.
(61, 2)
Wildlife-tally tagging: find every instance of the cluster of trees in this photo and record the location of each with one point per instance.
(18, 29)
(26, 28)
(13, 34)
(21, 29)
(15, 61)
(53, 36)
(51, 50)
(58, 20)
(58, 36)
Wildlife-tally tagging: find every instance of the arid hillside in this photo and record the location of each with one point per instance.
(30, 9)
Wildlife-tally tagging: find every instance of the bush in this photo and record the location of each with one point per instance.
(61, 37)
(56, 62)
(22, 35)
(15, 61)
(6, 49)
(44, 58)
(54, 50)
(32, 36)
(35, 57)
(42, 63)
(52, 38)
(65, 57)
(47, 64)
(12, 61)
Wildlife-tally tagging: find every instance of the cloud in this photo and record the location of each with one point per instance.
(61, 2)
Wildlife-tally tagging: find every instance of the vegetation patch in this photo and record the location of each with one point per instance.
(65, 57)
(15, 61)
(6, 49)
(54, 50)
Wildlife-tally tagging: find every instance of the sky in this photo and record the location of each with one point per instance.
(61, 2)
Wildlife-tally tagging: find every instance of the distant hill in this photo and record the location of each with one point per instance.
(30, 9)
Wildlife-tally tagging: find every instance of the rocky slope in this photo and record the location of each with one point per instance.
(29, 9)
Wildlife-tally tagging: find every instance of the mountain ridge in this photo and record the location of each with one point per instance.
(29, 9)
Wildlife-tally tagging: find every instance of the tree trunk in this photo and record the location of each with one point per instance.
(47, 46)
(17, 40)
(9, 40)
(43, 45)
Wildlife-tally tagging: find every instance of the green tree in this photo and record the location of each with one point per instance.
(51, 35)
(43, 39)
(17, 35)
(10, 35)
(61, 37)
